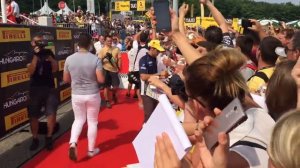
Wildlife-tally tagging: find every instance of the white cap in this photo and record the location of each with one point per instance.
(280, 51)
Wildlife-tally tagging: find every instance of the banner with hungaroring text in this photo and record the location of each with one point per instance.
(15, 54)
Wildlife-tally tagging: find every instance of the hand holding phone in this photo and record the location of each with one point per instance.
(162, 14)
(231, 116)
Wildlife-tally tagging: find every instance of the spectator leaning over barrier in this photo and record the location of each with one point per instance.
(83, 70)
(42, 91)
(111, 60)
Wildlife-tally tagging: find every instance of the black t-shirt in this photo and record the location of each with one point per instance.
(43, 75)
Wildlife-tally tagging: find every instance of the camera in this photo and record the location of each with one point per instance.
(108, 56)
(41, 43)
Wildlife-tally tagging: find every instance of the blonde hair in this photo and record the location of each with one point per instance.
(216, 77)
(284, 148)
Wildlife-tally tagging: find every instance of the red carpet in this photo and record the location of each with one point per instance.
(116, 130)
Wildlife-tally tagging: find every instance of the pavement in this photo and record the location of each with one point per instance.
(14, 149)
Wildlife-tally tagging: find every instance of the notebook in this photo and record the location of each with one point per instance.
(163, 119)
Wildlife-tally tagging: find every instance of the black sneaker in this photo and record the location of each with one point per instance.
(135, 96)
(73, 153)
(34, 144)
(108, 105)
(49, 143)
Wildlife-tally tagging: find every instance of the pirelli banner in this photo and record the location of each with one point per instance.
(15, 54)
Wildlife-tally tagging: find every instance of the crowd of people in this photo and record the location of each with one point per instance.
(201, 71)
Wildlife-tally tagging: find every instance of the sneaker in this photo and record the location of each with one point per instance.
(34, 144)
(73, 152)
(49, 143)
(127, 95)
(108, 105)
(135, 96)
(93, 153)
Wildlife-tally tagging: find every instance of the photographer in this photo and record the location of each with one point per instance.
(111, 60)
(42, 92)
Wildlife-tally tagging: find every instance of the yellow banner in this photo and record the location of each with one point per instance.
(63, 34)
(141, 5)
(61, 65)
(14, 77)
(16, 118)
(208, 21)
(10, 34)
(64, 94)
(122, 6)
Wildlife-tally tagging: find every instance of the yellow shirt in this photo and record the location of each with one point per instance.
(115, 51)
(255, 83)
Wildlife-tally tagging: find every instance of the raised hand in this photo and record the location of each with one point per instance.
(165, 154)
(202, 156)
(256, 26)
(183, 10)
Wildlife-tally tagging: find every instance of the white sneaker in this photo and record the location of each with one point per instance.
(93, 153)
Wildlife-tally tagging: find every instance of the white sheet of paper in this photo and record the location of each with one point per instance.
(163, 119)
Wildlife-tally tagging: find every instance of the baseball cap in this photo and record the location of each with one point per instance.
(156, 44)
(280, 51)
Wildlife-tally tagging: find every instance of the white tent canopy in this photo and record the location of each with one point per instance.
(45, 10)
(65, 11)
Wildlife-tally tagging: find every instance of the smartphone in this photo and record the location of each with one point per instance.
(246, 23)
(232, 115)
(162, 14)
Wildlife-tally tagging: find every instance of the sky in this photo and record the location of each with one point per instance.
(281, 1)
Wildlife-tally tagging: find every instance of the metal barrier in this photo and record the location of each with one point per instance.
(28, 21)
(92, 29)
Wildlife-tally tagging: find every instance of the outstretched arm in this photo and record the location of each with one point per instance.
(182, 12)
(217, 15)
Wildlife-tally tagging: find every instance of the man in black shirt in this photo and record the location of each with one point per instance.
(41, 69)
